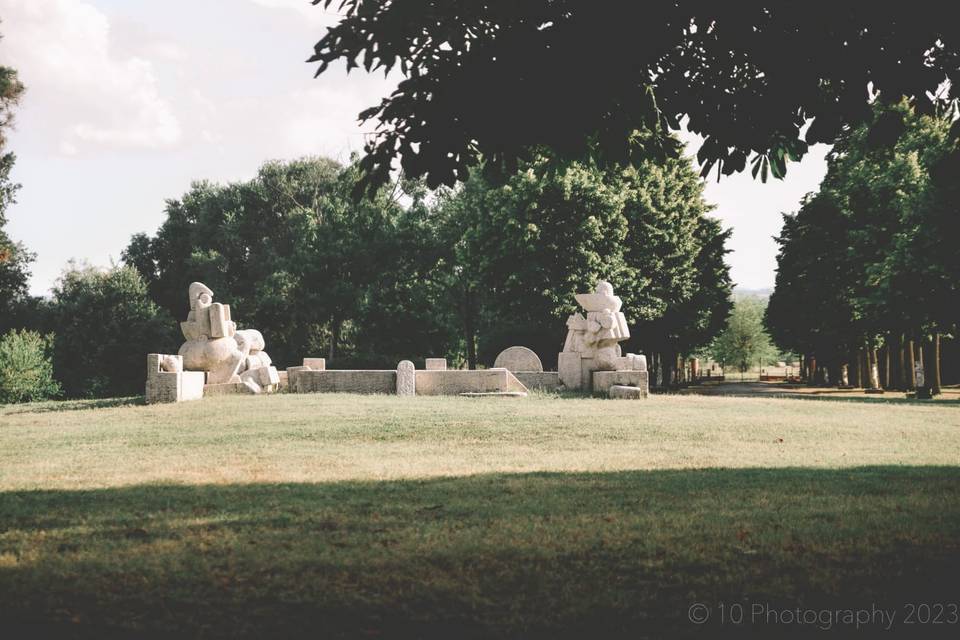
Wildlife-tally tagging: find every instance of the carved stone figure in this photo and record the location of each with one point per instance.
(215, 346)
(593, 345)
(597, 336)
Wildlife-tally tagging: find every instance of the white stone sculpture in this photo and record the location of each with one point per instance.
(597, 336)
(215, 346)
(593, 343)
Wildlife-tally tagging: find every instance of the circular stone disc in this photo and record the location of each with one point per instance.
(518, 359)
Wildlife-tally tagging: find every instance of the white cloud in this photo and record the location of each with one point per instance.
(62, 49)
(315, 14)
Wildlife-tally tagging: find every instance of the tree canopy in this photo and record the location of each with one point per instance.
(497, 80)
(14, 257)
(463, 273)
(870, 260)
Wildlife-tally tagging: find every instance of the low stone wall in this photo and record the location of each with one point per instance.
(545, 380)
(302, 380)
(456, 381)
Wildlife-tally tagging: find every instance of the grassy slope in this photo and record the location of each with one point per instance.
(441, 516)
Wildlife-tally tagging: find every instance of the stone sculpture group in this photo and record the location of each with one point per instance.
(217, 358)
(215, 346)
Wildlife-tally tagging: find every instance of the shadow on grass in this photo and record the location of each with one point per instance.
(541, 555)
(72, 405)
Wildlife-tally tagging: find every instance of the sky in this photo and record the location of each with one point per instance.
(129, 101)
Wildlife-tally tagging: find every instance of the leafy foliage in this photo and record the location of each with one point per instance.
(524, 248)
(295, 256)
(106, 325)
(26, 371)
(744, 341)
(14, 258)
(871, 258)
(496, 80)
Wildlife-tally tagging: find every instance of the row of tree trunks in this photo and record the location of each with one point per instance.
(892, 366)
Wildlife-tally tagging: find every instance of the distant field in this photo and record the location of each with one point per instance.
(336, 515)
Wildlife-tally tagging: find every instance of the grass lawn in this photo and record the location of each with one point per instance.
(346, 516)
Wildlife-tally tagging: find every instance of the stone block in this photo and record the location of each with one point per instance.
(518, 359)
(603, 380)
(459, 381)
(167, 382)
(228, 389)
(544, 380)
(267, 376)
(315, 364)
(342, 380)
(436, 364)
(292, 377)
(406, 379)
(623, 392)
(568, 368)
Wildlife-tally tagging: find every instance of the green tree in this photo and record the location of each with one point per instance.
(866, 270)
(522, 249)
(493, 80)
(295, 256)
(26, 371)
(744, 341)
(106, 325)
(14, 258)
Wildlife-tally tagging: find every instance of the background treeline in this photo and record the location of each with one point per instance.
(404, 273)
(869, 269)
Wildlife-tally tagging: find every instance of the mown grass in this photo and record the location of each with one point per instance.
(344, 516)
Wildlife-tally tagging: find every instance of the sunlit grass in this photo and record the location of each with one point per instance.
(447, 517)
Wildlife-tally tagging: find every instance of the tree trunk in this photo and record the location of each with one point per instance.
(857, 370)
(812, 370)
(902, 382)
(935, 365)
(874, 368)
(334, 339)
(885, 364)
(469, 331)
(911, 363)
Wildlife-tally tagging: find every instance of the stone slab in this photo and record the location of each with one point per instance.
(227, 389)
(436, 364)
(343, 381)
(494, 394)
(518, 359)
(603, 380)
(406, 379)
(315, 364)
(623, 392)
(458, 381)
(568, 369)
(543, 380)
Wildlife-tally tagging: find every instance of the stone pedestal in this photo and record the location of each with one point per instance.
(568, 366)
(436, 364)
(604, 380)
(168, 382)
(315, 364)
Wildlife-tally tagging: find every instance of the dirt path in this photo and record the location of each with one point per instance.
(754, 389)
